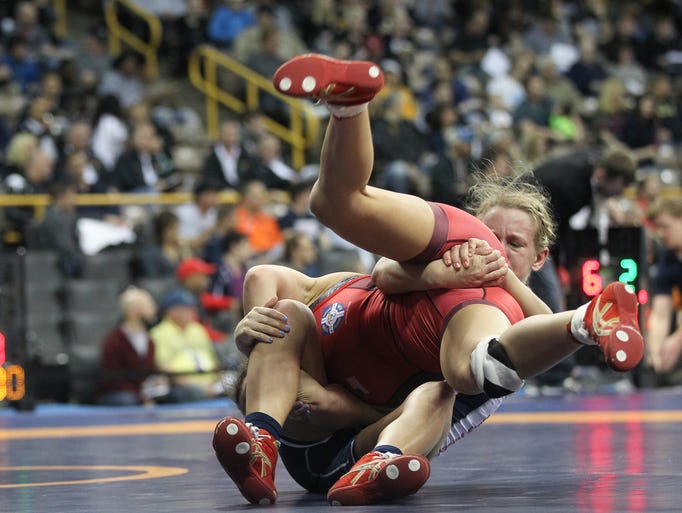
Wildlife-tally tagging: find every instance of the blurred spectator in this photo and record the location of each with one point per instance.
(110, 132)
(34, 25)
(35, 178)
(641, 128)
(144, 167)
(24, 70)
(298, 218)
(76, 173)
(226, 222)
(124, 79)
(452, 171)
(140, 114)
(228, 164)
(19, 150)
(192, 32)
(536, 108)
(194, 275)
(613, 108)
(666, 110)
(579, 185)
(78, 139)
(394, 85)
(198, 219)
(183, 348)
(506, 86)
(589, 71)
(40, 121)
(648, 190)
(227, 20)
(472, 41)
(127, 365)
(175, 33)
(264, 60)
(399, 150)
(158, 247)
(227, 284)
(251, 41)
(625, 33)
(269, 165)
(664, 329)
(546, 31)
(626, 68)
(300, 253)
(660, 44)
(92, 58)
(175, 120)
(558, 88)
(228, 279)
(255, 222)
(253, 129)
(59, 230)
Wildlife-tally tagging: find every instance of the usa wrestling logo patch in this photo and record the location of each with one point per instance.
(331, 318)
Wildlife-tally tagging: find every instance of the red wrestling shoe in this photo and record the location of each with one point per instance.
(610, 320)
(333, 81)
(248, 455)
(380, 476)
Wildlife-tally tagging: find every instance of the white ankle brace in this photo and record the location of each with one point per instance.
(578, 330)
(346, 111)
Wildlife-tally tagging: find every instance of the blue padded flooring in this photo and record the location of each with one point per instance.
(602, 453)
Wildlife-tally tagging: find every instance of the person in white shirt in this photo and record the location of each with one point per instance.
(198, 219)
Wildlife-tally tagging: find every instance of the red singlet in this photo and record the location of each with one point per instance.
(381, 347)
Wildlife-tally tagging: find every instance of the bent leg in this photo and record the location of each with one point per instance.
(395, 225)
(521, 351)
(274, 369)
(409, 431)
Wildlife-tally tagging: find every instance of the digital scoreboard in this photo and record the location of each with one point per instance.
(593, 262)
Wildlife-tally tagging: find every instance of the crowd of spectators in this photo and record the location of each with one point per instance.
(472, 87)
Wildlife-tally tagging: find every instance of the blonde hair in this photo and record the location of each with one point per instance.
(20, 149)
(672, 206)
(518, 193)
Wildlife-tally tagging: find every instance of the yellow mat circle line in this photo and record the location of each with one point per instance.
(144, 472)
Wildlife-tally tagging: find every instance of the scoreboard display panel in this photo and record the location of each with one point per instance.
(593, 262)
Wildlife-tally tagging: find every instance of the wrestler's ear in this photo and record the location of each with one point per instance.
(540, 259)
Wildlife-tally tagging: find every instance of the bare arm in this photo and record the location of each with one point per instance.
(525, 297)
(333, 407)
(664, 348)
(398, 277)
(264, 285)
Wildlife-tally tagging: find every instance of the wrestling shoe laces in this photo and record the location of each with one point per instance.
(329, 80)
(609, 320)
(380, 476)
(249, 456)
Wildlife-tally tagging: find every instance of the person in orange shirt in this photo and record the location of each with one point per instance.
(255, 222)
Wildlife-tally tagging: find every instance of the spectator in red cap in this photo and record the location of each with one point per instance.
(194, 275)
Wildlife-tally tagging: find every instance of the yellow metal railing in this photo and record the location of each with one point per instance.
(204, 66)
(119, 34)
(60, 28)
(40, 201)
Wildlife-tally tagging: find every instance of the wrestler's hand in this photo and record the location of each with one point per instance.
(260, 324)
(484, 266)
(460, 255)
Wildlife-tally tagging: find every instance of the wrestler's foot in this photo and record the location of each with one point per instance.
(248, 455)
(610, 320)
(380, 476)
(333, 81)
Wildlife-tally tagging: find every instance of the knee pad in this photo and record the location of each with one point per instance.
(493, 371)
